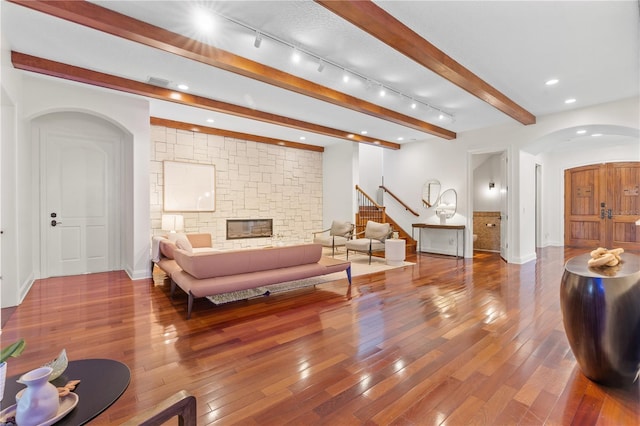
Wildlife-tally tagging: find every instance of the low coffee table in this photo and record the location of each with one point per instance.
(102, 382)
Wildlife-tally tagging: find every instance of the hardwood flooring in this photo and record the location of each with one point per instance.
(446, 341)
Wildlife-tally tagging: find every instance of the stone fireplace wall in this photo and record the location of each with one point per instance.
(253, 181)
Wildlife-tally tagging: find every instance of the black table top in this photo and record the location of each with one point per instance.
(102, 382)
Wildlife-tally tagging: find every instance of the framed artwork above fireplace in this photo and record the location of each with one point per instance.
(189, 187)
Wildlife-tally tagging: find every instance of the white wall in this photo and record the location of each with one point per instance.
(338, 182)
(406, 170)
(484, 198)
(36, 96)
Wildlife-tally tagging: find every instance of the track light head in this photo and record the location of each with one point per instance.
(258, 40)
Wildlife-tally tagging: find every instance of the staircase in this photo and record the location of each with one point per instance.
(368, 209)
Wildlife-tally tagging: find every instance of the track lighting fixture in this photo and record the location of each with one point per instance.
(296, 57)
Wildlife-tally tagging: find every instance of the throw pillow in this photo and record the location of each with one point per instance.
(174, 236)
(377, 231)
(184, 244)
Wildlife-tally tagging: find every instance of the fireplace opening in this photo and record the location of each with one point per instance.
(249, 228)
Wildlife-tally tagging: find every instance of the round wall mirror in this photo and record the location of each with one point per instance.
(430, 192)
(447, 204)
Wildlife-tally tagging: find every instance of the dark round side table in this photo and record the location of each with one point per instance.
(102, 382)
(601, 315)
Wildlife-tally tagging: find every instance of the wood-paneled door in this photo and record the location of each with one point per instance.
(602, 204)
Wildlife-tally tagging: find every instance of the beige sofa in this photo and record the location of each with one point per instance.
(210, 273)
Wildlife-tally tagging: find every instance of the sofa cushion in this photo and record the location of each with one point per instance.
(234, 262)
(377, 231)
(340, 228)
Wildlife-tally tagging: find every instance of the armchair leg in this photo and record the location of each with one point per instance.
(189, 305)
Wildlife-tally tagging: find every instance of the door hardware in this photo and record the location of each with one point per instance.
(609, 214)
(54, 215)
(54, 223)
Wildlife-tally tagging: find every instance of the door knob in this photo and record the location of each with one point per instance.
(54, 222)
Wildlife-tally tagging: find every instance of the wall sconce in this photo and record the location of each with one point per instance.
(172, 222)
(492, 185)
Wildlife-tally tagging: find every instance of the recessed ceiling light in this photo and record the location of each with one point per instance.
(596, 134)
(552, 82)
(302, 138)
(183, 86)
(581, 132)
(210, 120)
(400, 138)
(364, 132)
(345, 77)
(570, 101)
(382, 92)
(413, 105)
(441, 117)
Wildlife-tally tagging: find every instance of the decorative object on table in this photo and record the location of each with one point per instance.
(58, 365)
(67, 403)
(40, 401)
(13, 350)
(446, 205)
(601, 257)
(68, 388)
(601, 318)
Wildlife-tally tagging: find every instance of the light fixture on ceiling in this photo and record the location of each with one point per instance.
(400, 138)
(323, 62)
(295, 56)
(203, 21)
(183, 86)
(210, 120)
(364, 132)
(552, 82)
(258, 41)
(595, 135)
(382, 92)
(570, 101)
(302, 138)
(581, 132)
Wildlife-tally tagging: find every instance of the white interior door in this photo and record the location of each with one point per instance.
(78, 185)
(504, 217)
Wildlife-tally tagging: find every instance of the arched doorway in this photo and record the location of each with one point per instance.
(80, 169)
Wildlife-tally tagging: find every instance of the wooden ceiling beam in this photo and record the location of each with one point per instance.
(108, 21)
(181, 125)
(374, 20)
(82, 75)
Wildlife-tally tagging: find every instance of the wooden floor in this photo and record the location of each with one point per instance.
(448, 342)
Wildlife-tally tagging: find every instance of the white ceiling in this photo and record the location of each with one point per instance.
(591, 47)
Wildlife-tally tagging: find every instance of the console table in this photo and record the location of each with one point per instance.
(102, 382)
(457, 228)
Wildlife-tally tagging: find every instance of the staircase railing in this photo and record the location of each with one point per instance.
(368, 209)
(407, 208)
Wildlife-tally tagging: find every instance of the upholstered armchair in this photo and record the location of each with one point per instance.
(373, 239)
(339, 234)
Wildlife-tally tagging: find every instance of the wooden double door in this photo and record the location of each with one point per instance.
(602, 205)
